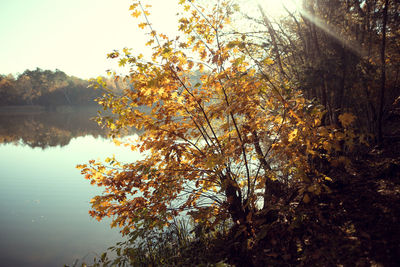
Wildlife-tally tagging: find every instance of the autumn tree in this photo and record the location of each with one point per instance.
(224, 132)
(49, 88)
(8, 93)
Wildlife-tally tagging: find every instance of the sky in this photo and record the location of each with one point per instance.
(75, 35)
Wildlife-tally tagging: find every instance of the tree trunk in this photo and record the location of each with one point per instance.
(383, 75)
(234, 200)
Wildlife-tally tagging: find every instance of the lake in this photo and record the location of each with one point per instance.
(44, 200)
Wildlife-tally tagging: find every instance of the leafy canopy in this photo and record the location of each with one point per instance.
(221, 126)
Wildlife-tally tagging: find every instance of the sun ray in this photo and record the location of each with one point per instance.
(333, 31)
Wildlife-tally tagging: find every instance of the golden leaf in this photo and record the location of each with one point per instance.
(292, 135)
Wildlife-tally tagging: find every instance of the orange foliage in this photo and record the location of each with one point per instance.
(217, 129)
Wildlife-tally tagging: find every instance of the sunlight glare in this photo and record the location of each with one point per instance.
(276, 8)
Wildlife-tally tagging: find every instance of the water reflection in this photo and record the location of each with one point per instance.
(40, 128)
(44, 201)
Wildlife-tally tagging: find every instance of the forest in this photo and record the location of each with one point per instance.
(49, 89)
(283, 152)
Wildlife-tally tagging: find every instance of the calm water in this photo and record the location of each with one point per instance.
(44, 201)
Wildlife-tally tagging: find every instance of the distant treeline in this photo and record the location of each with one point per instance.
(49, 88)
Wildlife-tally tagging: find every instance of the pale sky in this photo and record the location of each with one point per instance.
(71, 35)
(75, 35)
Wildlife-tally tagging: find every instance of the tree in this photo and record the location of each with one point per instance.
(7, 89)
(47, 88)
(341, 58)
(224, 133)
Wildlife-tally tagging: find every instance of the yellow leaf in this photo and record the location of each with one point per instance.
(133, 6)
(268, 61)
(180, 99)
(292, 135)
(142, 25)
(136, 13)
(278, 119)
(150, 42)
(161, 91)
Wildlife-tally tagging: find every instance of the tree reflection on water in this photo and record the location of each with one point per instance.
(40, 128)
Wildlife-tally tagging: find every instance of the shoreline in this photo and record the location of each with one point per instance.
(37, 109)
